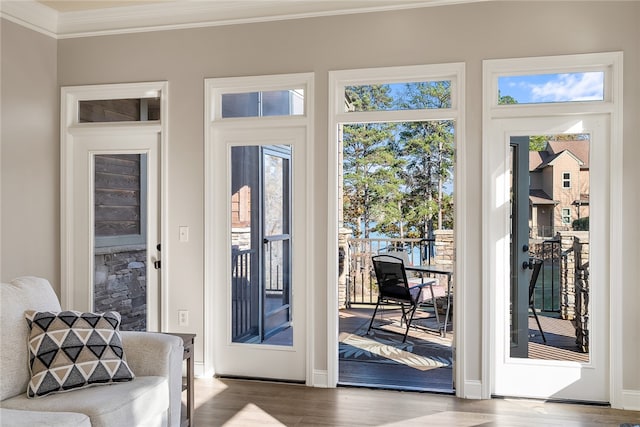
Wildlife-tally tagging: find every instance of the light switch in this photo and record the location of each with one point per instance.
(184, 233)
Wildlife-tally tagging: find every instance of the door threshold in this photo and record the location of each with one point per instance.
(556, 400)
(269, 380)
(398, 388)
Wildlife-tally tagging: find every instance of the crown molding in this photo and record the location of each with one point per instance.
(188, 14)
(32, 15)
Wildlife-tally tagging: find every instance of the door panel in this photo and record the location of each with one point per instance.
(261, 291)
(539, 351)
(116, 211)
(276, 261)
(120, 206)
(519, 245)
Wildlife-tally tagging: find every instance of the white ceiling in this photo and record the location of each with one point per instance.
(67, 19)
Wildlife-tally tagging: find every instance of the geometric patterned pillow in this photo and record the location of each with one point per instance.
(70, 349)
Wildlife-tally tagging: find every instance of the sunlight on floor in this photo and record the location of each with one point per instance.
(211, 386)
(531, 405)
(252, 415)
(447, 418)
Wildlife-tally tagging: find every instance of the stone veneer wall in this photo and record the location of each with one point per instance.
(120, 285)
(581, 249)
(344, 265)
(574, 262)
(445, 249)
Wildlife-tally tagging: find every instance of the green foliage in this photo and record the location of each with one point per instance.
(538, 143)
(396, 175)
(581, 224)
(370, 166)
(506, 99)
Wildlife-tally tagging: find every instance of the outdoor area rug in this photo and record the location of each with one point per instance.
(424, 353)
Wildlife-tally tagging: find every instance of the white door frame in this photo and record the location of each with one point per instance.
(493, 116)
(216, 213)
(74, 294)
(454, 72)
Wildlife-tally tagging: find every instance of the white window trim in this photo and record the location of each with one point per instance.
(69, 124)
(454, 72)
(612, 64)
(214, 88)
(566, 213)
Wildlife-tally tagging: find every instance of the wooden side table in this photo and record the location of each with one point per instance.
(186, 420)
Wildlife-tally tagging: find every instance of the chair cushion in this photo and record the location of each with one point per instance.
(23, 293)
(131, 403)
(18, 418)
(70, 349)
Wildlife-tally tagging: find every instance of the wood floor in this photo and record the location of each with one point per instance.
(230, 402)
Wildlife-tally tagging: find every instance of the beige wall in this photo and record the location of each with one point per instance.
(30, 194)
(468, 33)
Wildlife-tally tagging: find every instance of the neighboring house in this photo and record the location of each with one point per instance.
(558, 187)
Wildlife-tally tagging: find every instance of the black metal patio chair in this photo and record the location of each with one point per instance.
(394, 289)
(535, 265)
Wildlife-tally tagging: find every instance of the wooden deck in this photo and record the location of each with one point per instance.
(380, 359)
(425, 362)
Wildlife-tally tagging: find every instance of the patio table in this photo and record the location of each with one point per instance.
(430, 269)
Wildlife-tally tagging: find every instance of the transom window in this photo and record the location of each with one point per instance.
(399, 96)
(263, 104)
(119, 110)
(551, 88)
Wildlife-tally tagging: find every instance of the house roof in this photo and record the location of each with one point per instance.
(539, 197)
(579, 148)
(536, 158)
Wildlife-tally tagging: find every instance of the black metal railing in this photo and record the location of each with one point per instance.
(547, 288)
(242, 294)
(361, 281)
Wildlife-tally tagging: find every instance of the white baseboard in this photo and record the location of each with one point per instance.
(199, 372)
(631, 400)
(472, 390)
(320, 379)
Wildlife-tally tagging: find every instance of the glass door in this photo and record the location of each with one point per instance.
(551, 296)
(117, 217)
(120, 210)
(276, 261)
(261, 297)
(260, 245)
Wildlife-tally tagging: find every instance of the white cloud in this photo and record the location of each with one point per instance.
(569, 87)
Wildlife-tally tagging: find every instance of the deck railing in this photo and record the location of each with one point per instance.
(242, 295)
(361, 281)
(547, 289)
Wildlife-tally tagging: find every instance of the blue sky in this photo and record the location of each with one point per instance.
(564, 87)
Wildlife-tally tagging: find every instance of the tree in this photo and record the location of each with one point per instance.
(506, 99)
(538, 143)
(370, 168)
(427, 148)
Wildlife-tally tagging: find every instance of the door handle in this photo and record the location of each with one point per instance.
(156, 263)
(531, 263)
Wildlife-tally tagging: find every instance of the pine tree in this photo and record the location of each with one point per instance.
(370, 167)
(427, 148)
